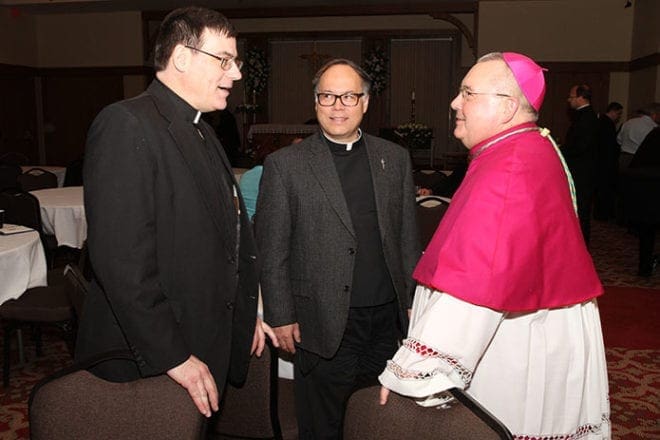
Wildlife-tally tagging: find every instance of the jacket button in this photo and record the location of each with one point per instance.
(230, 305)
(346, 288)
(351, 251)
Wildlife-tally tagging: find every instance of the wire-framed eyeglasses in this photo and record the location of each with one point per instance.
(347, 99)
(225, 63)
(468, 94)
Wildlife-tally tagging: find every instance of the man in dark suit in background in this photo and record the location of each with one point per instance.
(337, 234)
(607, 162)
(169, 239)
(579, 150)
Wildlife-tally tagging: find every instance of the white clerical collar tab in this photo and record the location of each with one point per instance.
(196, 118)
(349, 145)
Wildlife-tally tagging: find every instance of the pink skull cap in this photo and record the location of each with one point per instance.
(529, 77)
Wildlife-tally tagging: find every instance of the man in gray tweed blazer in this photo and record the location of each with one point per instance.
(336, 228)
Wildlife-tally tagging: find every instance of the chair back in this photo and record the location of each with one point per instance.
(9, 176)
(21, 208)
(402, 418)
(37, 178)
(251, 411)
(430, 210)
(74, 403)
(74, 173)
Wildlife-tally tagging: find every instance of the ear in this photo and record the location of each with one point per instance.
(510, 109)
(181, 57)
(365, 103)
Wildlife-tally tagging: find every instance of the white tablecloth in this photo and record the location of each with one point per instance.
(63, 214)
(22, 264)
(60, 172)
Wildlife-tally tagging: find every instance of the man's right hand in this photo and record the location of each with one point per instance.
(196, 378)
(287, 335)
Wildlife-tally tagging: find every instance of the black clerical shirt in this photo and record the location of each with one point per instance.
(372, 284)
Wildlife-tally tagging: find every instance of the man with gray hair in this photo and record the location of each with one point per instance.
(634, 130)
(336, 229)
(505, 306)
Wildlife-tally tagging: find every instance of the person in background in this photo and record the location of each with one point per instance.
(505, 306)
(634, 130)
(337, 233)
(173, 253)
(607, 162)
(641, 182)
(579, 150)
(250, 180)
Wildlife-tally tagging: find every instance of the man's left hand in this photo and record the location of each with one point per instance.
(262, 329)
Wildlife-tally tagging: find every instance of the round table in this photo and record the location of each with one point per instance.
(22, 264)
(63, 214)
(60, 172)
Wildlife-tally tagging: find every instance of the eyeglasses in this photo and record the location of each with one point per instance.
(468, 94)
(347, 99)
(225, 63)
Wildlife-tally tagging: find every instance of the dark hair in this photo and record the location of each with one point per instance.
(583, 91)
(613, 106)
(366, 79)
(186, 26)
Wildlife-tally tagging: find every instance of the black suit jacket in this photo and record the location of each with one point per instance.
(176, 267)
(307, 240)
(580, 147)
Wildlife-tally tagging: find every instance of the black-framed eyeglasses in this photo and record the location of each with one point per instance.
(225, 63)
(347, 99)
(467, 94)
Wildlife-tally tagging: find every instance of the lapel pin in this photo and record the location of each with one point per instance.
(382, 163)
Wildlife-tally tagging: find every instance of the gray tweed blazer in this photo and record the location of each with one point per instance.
(305, 237)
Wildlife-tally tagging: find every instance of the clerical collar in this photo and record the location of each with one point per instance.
(345, 146)
(187, 112)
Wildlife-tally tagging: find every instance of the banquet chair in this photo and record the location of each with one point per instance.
(430, 210)
(9, 176)
(462, 418)
(261, 409)
(37, 178)
(75, 404)
(37, 306)
(74, 173)
(22, 208)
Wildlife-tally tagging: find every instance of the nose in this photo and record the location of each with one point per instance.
(338, 104)
(456, 103)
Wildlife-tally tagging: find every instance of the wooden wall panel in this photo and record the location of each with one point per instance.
(293, 65)
(18, 126)
(70, 105)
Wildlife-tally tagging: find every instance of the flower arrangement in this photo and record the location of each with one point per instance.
(415, 135)
(375, 64)
(256, 72)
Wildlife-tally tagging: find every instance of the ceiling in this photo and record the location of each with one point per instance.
(257, 6)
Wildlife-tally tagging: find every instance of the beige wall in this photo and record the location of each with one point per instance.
(372, 23)
(18, 43)
(558, 30)
(646, 34)
(100, 39)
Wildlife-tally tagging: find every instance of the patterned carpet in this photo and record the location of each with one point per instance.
(629, 315)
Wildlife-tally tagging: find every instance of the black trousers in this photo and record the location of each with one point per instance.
(322, 386)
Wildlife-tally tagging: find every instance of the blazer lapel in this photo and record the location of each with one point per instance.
(187, 141)
(380, 170)
(323, 167)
